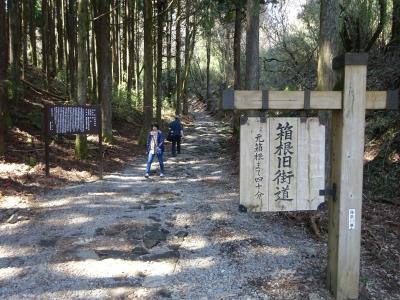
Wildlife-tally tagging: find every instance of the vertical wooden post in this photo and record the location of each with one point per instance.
(347, 173)
(46, 140)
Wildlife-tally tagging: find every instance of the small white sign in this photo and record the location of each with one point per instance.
(352, 218)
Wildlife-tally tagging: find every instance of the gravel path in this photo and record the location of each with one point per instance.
(179, 237)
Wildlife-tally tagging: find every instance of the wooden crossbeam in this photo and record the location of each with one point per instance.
(299, 100)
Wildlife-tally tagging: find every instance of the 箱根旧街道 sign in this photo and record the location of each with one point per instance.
(281, 163)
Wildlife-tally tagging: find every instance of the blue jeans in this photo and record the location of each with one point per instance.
(150, 160)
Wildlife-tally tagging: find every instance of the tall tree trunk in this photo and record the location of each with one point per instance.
(237, 38)
(32, 30)
(184, 97)
(328, 44)
(160, 28)
(102, 29)
(125, 40)
(16, 47)
(395, 36)
(169, 56)
(52, 39)
(93, 64)
(148, 68)
(115, 30)
(252, 75)
(328, 79)
(60, 35)
(25, 19)
(137, 56)
(188, 59)
(178, 108)
(115, 47)
(64, 13)
(208, 59)
(45, 39)
(131, 46)
(83, 56)
(3, 74)
(71, 35)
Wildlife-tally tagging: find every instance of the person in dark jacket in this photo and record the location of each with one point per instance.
(176, 130)
(155, 146)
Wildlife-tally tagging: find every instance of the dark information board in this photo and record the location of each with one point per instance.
(73, 120)
(68, 119)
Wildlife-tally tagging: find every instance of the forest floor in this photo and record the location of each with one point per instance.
(179, 237)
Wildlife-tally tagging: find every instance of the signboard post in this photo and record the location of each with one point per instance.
(345, 192)
(68, 119)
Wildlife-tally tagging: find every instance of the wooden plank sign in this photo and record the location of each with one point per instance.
(282, 164)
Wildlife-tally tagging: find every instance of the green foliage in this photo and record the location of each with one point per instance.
(362, 22)
(32, 161)
(290, 64)
(34, 117)
(124, 105)
(382, 173)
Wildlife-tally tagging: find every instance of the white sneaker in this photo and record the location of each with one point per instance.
(161, 174)
(146, 175)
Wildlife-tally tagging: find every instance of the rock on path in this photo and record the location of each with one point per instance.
(179, 237)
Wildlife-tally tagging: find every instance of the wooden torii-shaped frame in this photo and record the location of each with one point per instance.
(348, 124)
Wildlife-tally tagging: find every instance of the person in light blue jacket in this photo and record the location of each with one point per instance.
(155, 146)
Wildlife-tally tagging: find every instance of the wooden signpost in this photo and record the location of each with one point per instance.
(302, 187)
(68, 119)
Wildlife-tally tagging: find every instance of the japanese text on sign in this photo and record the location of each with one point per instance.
(258, 165)
(284, 155)
(73, 120)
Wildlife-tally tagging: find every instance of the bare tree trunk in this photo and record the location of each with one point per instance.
(93, 63)
(329, 42)
(252, 76)
(178, 108)
(102, 29)
(115, 45)
(52, 39)
(208, 87)
(60, 35)
(184, 97)
(237, 83)
(45, 39)
(328, 79)
(137, 55)
(131, 47)
(125, 39)
(32, 30)
(395, 37)
(25, 18)
(169, 56)
(148, 68)
(71, 35)
(16, 47)
(236, 46)
(3, 75)
(83, 56)
(160, 29)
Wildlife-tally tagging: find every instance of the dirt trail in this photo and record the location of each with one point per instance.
(179, 237)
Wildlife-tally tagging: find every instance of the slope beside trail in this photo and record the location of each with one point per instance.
(179, 237)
